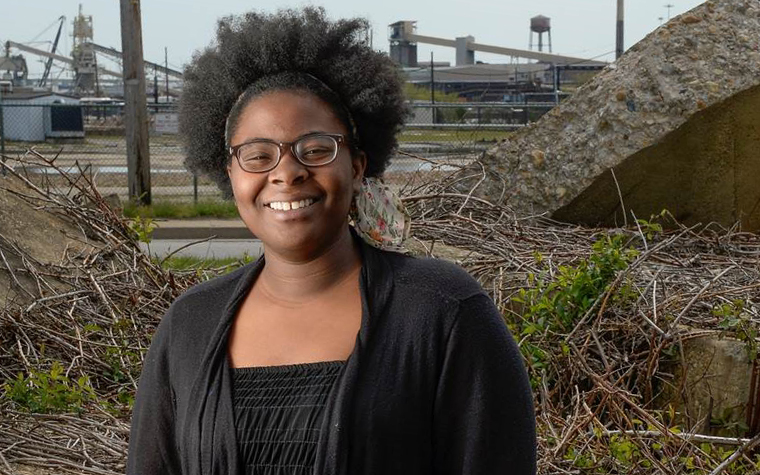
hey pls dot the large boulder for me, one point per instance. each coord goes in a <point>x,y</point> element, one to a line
<point>673,124</point>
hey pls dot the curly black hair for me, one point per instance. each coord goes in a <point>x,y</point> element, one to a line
<point>289,50</point>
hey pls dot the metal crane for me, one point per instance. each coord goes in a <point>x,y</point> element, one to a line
<point>49,63</point>
<point>57,57</point>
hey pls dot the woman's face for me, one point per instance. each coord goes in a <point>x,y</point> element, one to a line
<point>284,116</point>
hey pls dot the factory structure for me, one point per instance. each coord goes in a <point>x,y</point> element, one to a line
<point>50,106</point>
<point>92,73</point>
<point>539,78</point>
<point>86,90</point>
<point>87,78</point>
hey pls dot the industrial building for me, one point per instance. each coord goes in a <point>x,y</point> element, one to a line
<point>515,81</point>
<point>36,117</point>
<point>488,82</point>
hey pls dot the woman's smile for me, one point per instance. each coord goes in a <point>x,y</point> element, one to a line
<point>290,205</point>
<point>293,210</point>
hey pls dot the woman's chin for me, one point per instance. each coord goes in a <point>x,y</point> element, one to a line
<point>301,246</point>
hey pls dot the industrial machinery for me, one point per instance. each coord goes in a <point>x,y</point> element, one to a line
<point>49,63</point>
<point>13,68</point>
<point>83,61</point>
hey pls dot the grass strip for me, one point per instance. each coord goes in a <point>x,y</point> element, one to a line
<point>180,210</point>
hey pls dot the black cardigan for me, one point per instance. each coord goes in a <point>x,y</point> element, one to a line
<point>435,383</point>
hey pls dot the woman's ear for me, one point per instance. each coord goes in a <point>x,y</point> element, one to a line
<point>359,164</point>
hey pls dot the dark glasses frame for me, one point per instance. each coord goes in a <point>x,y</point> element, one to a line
<point>339,140</point>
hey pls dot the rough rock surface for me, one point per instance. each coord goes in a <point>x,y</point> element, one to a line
<point>711,392</point>
<point>676,118</point>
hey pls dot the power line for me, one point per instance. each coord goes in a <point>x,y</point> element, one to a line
<point>43,32</point>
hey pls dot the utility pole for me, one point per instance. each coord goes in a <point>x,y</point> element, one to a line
<point>432,87</point>
<point>166,71</point>
<point>668,6</point>
<point>155,85</point>
<point>135,104</point>
<point>619,48</point>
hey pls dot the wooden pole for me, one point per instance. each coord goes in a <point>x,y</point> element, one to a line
<point>135,104</point>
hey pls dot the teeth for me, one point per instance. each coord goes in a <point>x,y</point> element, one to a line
<point>289,205</point>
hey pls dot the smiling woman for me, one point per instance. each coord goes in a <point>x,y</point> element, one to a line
<point>330,354</point>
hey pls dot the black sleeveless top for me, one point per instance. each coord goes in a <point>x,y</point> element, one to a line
<point>278,414</point>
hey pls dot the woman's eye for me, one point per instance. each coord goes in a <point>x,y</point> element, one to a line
<point>255,158</point>
<point>257,153</point>
<point>315,152</point>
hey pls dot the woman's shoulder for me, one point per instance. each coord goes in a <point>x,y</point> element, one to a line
<point>434,275</point>
<point>208,299</point>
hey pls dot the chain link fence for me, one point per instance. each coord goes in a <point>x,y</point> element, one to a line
<point>91,137</point>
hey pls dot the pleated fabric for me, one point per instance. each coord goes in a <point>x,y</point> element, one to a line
<point>278,414</point>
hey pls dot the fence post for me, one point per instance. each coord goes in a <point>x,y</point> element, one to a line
<point>195,187</point>
<point>2,131</point>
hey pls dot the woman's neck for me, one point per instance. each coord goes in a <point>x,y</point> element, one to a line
<point>289,282</point>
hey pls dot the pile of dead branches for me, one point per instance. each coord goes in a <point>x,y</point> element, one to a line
<point>73,338</point>
<point>598,314</point>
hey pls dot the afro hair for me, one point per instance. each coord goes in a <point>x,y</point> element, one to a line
<point>264,52</point>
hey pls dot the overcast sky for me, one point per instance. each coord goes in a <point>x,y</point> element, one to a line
<point>581,28</point>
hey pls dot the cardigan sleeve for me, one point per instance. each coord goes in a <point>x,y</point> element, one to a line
<point>484,422</point>
<point>152,446</point>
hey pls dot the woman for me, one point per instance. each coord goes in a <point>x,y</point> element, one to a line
<point>328,355</point>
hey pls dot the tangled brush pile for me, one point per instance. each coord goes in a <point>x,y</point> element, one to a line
<point>601,316</point>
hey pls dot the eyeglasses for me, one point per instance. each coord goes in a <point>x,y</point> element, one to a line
<point>263,155</point>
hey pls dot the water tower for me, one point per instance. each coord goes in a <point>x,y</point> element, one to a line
<point>540,25</point>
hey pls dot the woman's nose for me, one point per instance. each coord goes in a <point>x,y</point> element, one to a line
<point>289,170</point>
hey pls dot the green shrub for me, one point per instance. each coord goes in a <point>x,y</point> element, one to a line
<point>49,392</point>
<point>556,303</point>
<point>736,320</point>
